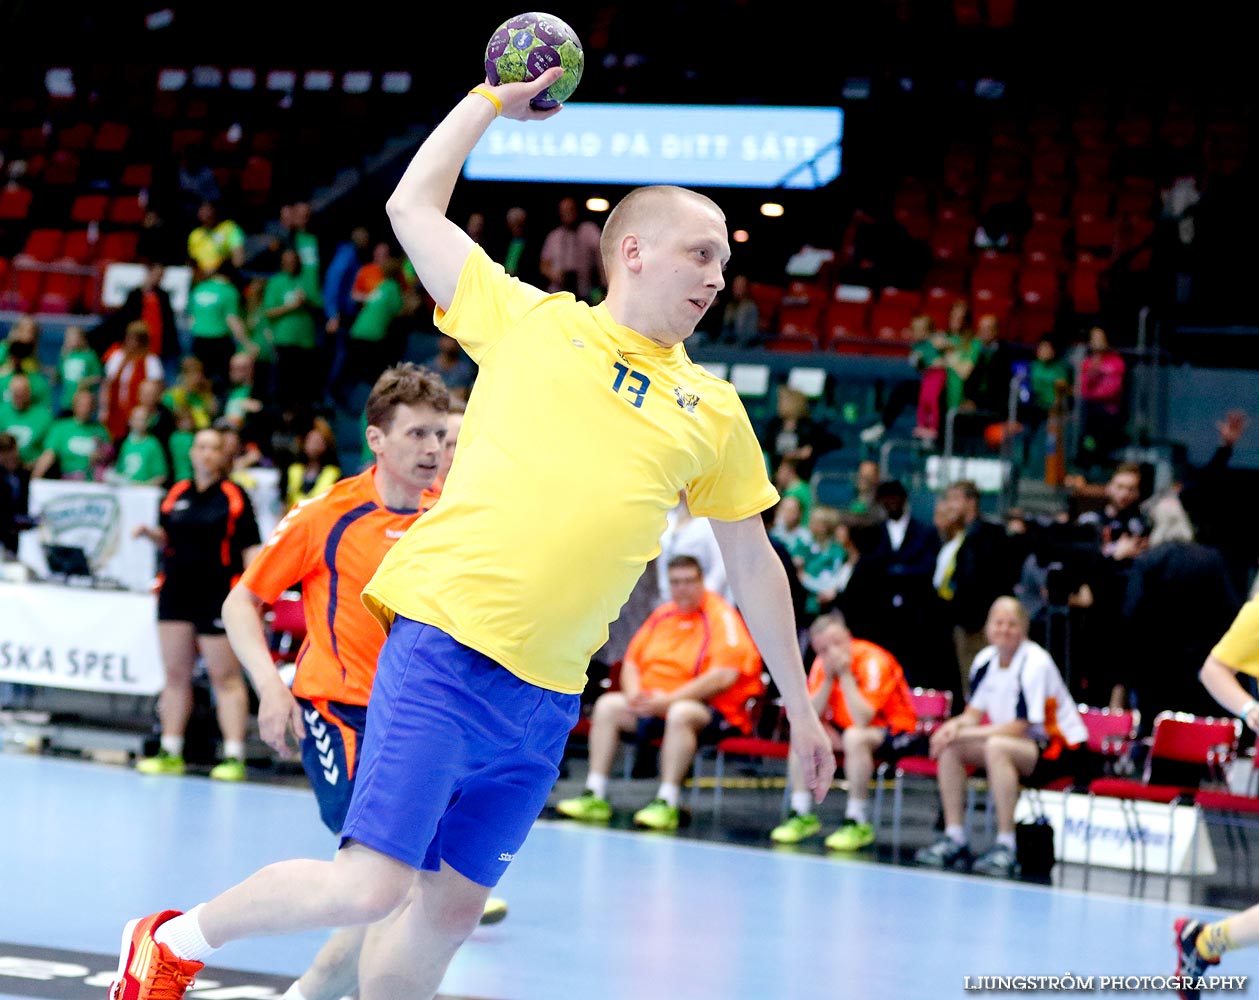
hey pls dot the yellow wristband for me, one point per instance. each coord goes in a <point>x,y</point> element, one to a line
<point>490,96</point>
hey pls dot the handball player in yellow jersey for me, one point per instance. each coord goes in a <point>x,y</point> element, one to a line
<point>493,608</point>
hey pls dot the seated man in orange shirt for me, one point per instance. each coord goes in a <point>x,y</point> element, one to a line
<point>687,678</point>
<point>859,690</point>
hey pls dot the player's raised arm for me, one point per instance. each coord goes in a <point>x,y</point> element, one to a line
<point>417,208</point>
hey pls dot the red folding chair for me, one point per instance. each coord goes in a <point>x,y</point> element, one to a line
<point>776,748</point>
<point>1178,738</point>
<point>932,708</point>
<point>1231,810</point>
<point>287,620</point>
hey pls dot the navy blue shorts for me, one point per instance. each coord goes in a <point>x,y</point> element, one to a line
<point>459,756</point>
<point>334,734</point>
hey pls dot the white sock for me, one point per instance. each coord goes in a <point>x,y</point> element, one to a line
<point>670,793</point>
<point>294,992</point>
<point>233,749</point>
<point>1006,840</point>
<point>173,745</point>
<point>182,935</point>
<point>597,783</point>
<point>802,803</point>
<point>957,834</point>
<point>859,812</point>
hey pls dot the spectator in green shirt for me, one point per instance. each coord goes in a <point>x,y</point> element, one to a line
<point>214,317</point>
<point>79,367</point>
<point>242,399</point>
<point>287,307</point>
<point>180,445</point>
<point>74,443</point>
<point>28,421</point>
<point>19,355</point>
<point>307,246</point>
<point>141,458</point>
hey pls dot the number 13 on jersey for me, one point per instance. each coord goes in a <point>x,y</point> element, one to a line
<point>637,386</point>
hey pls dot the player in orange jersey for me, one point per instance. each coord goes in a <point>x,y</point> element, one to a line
<point>331,545</point>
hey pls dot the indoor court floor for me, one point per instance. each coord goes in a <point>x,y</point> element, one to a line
<point>594,912</point>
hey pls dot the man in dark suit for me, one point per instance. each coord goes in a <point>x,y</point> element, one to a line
<point>15,483</point>
<point>903,616</point>
<point>982,570</point>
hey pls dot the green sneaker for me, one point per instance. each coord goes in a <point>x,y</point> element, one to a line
<point>798,827</point>
<point>657,815</point>
<point>161,763</point>
<point>587,807</point>
<point>231,769</point>
<point>852,836</point>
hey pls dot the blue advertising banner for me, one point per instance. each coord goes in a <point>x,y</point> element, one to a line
<point>692,144</point>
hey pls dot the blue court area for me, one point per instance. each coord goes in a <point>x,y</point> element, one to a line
<point>594,913</point>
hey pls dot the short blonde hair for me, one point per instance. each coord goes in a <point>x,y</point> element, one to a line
<point>642,211</point>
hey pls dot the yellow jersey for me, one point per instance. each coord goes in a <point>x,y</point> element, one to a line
<point>1239,648</point>
<point>577,438</point>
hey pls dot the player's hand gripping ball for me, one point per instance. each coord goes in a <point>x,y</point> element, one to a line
<point>525,47</point>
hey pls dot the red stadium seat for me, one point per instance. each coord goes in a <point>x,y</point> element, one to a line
<point>848,315</point>
<point>89,208</point>
<point>1082,284</point>
<point>950,243</point>
<point>44,245</point>
<point>119,246</point>
<point>181,140</point>
<point>800,316</point>
<point>62,169</point>
<point>77,248</point>
<point>1038,287</point>
<point>15,203</point>
<point>62,293</point>
<point>939,303</point>
<point>255,179</point>
<point>1091,201</point>
<point>112,137</point>
<point>888,320</point>
<point>767,298</point>
<point>137,175</point>
<point>986,303</point>
<point>77,137</point>
<point>1095,233</point>
<point>126,210</point>
<point>24,289</point>
<point>1047,234</point>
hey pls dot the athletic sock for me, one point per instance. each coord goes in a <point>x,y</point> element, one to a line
<point>294,992</point>
<point>598,784</point>
<point>182,935</point>
<point>957,834</point>
<point>857,811</point>
<point>173,745</point>
<point>1007,840</point>
<point>233,749</point>
<point>1214,939</point>
<point>670,793</point>
<point>802,803</point>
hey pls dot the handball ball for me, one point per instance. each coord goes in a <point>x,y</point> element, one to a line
<point>525,47</point>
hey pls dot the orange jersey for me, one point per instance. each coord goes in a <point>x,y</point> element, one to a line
<point>881,682</point>
<point>331,544</point>
<point>674,647</point>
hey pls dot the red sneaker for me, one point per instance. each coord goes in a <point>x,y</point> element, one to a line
<point>148,970</point>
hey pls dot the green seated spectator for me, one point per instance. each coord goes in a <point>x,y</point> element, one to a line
<point>75,443</point>
<point>28,421</point>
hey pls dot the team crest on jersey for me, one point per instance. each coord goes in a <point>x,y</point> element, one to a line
<point>687,400</point>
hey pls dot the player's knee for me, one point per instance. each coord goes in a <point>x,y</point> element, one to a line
<point>370,899</point>
<point>455,914</point>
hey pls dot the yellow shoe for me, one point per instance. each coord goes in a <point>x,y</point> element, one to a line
<point>230,769</point>
<point>495,911</point>
<point>161,763</point>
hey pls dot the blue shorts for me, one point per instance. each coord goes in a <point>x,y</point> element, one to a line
<point>459,757</point>
<point>334,735</point>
